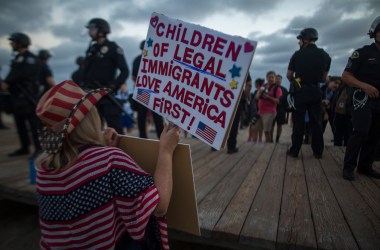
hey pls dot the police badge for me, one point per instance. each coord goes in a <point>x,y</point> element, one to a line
<point>104,49</point>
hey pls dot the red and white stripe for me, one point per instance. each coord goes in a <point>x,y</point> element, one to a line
<point>102,227</point>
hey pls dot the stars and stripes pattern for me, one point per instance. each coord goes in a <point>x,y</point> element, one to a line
<point>206,132</point>
<point>93,203</point>
<point>143,95</point>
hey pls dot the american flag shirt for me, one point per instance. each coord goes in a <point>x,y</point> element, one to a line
<point>93,203</point>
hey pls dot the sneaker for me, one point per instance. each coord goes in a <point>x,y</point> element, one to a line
<point>291,154</point>
<point>232,151</point>
<point>348,175</point>
<point>318,156</point>
<point>19,152</point>
<point>370,172</point>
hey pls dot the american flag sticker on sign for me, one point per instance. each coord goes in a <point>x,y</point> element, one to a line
<point>143,96</point>
<point>206,132</point>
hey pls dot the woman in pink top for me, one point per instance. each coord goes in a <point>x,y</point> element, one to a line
<point>268,95</point>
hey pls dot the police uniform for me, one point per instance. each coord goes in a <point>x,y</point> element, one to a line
<point>24,88</point>
<point>309,64</point>
<point>232,138</point>
<point>364,64</point>
<point>142,110</point>
<point>101,64</point>
<point>45,73</point>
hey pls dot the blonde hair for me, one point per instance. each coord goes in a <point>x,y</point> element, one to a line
<point>88,131</point>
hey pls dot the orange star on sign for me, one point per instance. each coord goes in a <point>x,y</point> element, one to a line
<point>145,53</point>
<point>233,84</point>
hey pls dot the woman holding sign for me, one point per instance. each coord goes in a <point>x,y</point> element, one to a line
<point>90,193</point>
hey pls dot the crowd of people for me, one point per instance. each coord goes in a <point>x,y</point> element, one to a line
<point>67,121</point>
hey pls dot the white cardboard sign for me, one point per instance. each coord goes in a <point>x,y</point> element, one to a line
<point>193,76</point>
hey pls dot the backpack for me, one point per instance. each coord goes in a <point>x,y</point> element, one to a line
<point>283,102</point>
<point>283,99</point>
<point>341,102</point>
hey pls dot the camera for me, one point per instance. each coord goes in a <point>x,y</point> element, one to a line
<point>264,91</point>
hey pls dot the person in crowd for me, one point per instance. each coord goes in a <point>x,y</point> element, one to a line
<point>46,74</point>
<point>78,75</point>
<point>280,119</point>
<point>232,137</point>
<point>103,59</point>
<point>22,84</point>
<point>90,193</point>
<point>142,111</point>
<point>123,96</point>
<point>308,67</point>
<point>4,103</point>
<point>269,96</point>
<point>341,109</point>
<point>362,72</point>
<point>328,90</point>
<point>255,132</point>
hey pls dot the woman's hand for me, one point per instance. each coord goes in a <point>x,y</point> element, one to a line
<point>169,139</point>
<point>111,137</point>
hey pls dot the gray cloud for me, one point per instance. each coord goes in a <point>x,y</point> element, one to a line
<point>339,23</point>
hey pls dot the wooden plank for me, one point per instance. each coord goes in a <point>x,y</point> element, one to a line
<point>332,231</point>
<point>365,186</point>
<point>363,222</point>
<point>233,218</point>
<point>216,170</point>
<point>260,227</point>
<point>210,160</point>
<point>13,168</point>
<point>213,205</point>
<point>203,150</point>
<point>296,229</point>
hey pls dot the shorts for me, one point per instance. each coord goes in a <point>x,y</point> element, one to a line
<point>265,122</point>
<point>280,118</point>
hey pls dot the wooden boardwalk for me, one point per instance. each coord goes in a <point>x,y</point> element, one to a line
<point>257,198</point>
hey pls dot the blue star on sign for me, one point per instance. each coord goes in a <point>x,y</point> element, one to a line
<point>235,71</point>
<point>150,42</point>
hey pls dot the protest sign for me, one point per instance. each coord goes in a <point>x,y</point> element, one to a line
<point>193,76</point>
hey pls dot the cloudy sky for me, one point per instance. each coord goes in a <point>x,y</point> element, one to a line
<point>58,25</point>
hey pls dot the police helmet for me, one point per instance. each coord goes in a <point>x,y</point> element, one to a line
<point>79,60</point>
<point>21,39</point>
<point>308,34</point>
<point>375,26</point>
<point>44,54</point>
<point>101,24</point>
<point>142,43</point>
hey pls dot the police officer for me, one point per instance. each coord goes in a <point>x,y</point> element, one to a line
<point>308,67</point>
<point>22,83</point>
<point>245,97</point>
<point>142,111</point>
<point>103,59</point>
<point>46,75</point>
<point>78,75</point>
<point>363,73</point>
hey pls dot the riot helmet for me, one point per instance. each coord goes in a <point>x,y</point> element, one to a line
<point>22,40</point>
<point>308,34</point>
<point>142,43</point>
<point>375,27</point>
<point>100,24</point>
<point>44,54</point>
<point>79,60</point>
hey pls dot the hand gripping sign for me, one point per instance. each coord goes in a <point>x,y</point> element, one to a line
<point>193,76</point>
